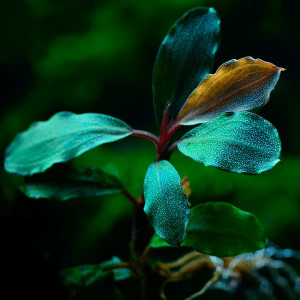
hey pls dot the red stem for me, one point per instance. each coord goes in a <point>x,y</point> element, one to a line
<point>172,147</point>
<point>165,138</point>
<point>146,135</point>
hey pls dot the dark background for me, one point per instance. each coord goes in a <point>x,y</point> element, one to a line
<point>97,56</point>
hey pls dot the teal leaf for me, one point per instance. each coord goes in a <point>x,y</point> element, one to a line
<point>87,275</point>
<point>166,205</point>
<point>237,142</point>
<point>63,137</point>
<point>184,58</point>
<point>220,229</point>
<point>63,182</point>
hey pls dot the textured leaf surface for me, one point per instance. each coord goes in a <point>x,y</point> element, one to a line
<point>237,142</point>
<point>221,229</point>
<point>166,205</point>
<point>185,57</point>
<point>238,85</point>
<point>88,275</point>
<point>63,137</point>
<point>64,182</point>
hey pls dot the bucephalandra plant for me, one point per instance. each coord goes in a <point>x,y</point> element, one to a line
<point>227,136</point>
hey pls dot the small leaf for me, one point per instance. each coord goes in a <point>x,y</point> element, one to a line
<point>166,205</point>
<point>238,85</point>
<point>237,142</point>
<point>158,242</point>
<point>185,57</point>
<point>62,138</point>
<point>63,182</point>
<point>221,229</point>
<point>88,275</point>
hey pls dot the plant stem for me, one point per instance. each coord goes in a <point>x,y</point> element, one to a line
<point>130,198</point>
<point>163,152</point>
<point>147,135</point>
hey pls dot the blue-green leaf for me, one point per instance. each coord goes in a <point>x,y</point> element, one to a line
<point>237,142</point>
<point>63,137</point>
<point>63,182</point>
<point>166,205</point>
<point>185,57</point>
<point>221,229</point>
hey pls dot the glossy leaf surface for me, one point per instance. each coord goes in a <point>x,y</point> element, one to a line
<point>238,85</point>
<point>63,137</point>
<point>221,229</point>
<point>237,142</point>
<point>64,182</point>
<point>166,205</point>
<point>185,57</point>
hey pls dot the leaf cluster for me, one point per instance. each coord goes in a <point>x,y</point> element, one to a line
<point>226,136</point>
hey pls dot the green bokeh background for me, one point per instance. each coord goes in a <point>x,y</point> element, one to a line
<point>97,56</point>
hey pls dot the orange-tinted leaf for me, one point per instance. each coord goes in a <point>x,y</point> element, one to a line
<point>238,85</point>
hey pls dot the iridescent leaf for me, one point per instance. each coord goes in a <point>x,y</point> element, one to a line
<point>238,85</point>
<point>63,182</point>
<point>62,138</point>
<point>220,229</point>
<point>185,57</point>
<point>237,142</point>
<point>166,205</point>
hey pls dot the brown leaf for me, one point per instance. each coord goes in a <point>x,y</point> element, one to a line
<point>238,85</point>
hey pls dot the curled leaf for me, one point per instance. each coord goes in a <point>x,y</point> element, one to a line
<point>61,138</point>
<point>238,85</point>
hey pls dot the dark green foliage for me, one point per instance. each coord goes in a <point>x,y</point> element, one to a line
<point>63,182</point>
<point>166,204</point>
<point>185,57</point>
<point>220,229</point>
<point>88,275</point>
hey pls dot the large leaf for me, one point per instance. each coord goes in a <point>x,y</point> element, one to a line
<point>63,182</point>
<point>238,85</point>
<point>237,142</point>
<point>166,205</point>
<point>62,138</point>
<point>185,57</point>
<point>221,229</point>
<point>88,275</point>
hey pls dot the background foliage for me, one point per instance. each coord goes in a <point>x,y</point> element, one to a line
<point>97,56</point>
